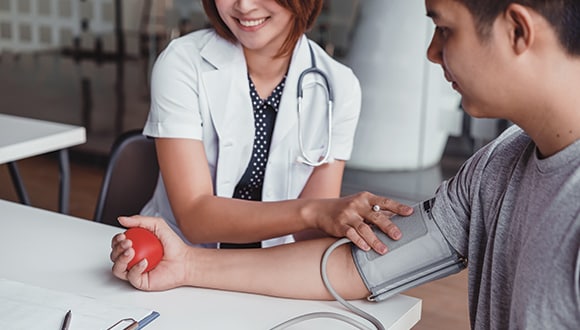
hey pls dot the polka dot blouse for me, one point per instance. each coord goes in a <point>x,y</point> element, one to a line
<point>251,183</point>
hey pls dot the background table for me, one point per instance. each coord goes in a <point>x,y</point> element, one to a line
<point>69,254</point>
<point>26,137</point>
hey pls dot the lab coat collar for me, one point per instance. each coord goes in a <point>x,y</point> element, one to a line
<point>221,53</point>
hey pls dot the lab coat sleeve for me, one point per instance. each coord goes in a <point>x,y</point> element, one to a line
<point>347,106</point>
<point>175,111</point>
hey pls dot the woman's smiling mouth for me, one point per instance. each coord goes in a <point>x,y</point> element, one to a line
<point>251,23</point>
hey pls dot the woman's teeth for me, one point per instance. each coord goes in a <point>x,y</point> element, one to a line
<point>252,22</point>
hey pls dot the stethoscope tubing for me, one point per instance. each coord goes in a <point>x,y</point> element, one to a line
<point>313,70</point>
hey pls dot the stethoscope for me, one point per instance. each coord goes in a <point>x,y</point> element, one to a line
<point>304,158</point>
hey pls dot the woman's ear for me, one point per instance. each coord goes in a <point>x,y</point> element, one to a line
<point>520,27</point>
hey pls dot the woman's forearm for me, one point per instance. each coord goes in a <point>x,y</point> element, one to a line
<point>205,218</point>
<point>291,270</point>
<point>217,219</point>
<point>212,219</point>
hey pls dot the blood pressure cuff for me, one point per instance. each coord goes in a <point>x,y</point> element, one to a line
<point>421,255</point>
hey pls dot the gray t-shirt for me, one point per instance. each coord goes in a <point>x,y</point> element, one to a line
<point>517,219</point>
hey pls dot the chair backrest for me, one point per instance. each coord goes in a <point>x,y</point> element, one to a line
<point>130,177</point>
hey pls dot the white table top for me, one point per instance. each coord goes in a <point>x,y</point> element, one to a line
<point>26,137</point>
<point>64,253</point>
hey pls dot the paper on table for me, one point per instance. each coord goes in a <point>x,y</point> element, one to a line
<point>23,306</point>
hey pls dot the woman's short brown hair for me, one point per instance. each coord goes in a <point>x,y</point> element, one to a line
<point>304,13</point>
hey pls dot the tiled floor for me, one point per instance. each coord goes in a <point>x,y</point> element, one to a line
<point>51,88</point>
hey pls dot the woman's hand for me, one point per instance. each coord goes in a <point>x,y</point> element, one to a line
<point>351,217</point>
<point>171,270</point>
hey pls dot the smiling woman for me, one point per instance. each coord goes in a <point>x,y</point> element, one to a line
<point>224,118</point>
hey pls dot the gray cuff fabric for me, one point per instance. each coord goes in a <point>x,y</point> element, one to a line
<point>423,254</point>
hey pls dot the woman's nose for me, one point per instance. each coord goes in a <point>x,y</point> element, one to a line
<point>245,6</point>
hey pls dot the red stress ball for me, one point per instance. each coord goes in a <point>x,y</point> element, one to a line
<point>146,246</point>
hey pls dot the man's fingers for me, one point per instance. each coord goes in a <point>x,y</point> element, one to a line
<point>120,263</point>
<point>119,247</point>
<point>136,274</point>
<point>117,239</point>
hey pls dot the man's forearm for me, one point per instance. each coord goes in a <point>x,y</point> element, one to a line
<point>291,270</point>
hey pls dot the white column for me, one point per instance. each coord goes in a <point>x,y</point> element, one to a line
<point>408,108</point>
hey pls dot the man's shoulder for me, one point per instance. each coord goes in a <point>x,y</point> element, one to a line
<point>507,148</point>
<point>512,137</point>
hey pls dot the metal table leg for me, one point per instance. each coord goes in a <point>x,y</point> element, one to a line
<point>17,181</point>
<point>64,182</point>
<point>64,170</point>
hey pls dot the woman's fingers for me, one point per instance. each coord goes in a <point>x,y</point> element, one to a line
<point>381,210</point>
<point>366,232</point>
<point>389,228</point>
<point>364,238</point>
<point>387,204</point>
<point>357,239</point>
<point>372,210</point>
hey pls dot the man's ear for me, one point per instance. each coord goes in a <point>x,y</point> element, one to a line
<point>520,27</point>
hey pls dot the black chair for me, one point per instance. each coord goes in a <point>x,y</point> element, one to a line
<point>130,178</point>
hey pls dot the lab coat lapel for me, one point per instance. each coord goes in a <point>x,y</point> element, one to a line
<point>286,119</point>
<point>227,87</point>
<point>230,106</point>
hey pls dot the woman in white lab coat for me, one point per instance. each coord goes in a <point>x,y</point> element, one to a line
<point>228,176</point>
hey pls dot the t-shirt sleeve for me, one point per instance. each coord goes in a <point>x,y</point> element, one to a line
<point>465,204</point>
<point>453,205</point>
<point>174,108</point>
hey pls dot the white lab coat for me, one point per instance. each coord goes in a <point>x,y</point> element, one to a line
<point>200,90</point>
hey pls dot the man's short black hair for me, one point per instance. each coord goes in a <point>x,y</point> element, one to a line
<point>563,15</point>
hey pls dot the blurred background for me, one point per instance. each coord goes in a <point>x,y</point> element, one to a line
<point>87,63</point>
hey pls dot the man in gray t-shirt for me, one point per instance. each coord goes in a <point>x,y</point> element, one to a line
<point>516,217</point>
<point>513,210</point>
